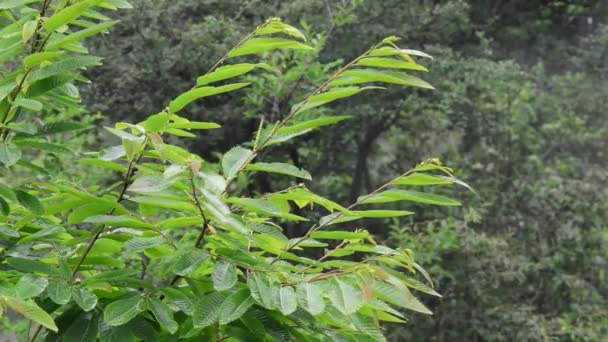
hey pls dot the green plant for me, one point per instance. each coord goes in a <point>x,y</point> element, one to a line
<point>178,247</point>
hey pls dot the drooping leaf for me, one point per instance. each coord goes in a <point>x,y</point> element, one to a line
<point>31,310</point>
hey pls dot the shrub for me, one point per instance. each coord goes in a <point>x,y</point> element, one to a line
<point>147,241</point>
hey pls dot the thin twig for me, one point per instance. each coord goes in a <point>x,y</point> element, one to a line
<point>126,182</point>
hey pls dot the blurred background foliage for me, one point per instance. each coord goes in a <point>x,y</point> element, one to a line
<point>519,111</point>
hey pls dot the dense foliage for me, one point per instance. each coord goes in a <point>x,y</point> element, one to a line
<point>519,110</point>
<point>145,240</point>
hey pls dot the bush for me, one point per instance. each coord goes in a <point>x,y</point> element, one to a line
<point>147,241</point>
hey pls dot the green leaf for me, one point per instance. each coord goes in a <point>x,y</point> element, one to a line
<point>29,309</point>
<point>347,298</point>
<point>85,299</point>
<point>275,25</point>
<point>261,289</point>
<point>28,29</point>
<point>403,53</point>
<point>59,292</point>
<point>207,310</point>
<point>163,203</point>
<point>68,14</point>
<point>151,183</point>
<point>188,261</point>
<point>60,127</point>
<point>29,202</point>
<point>9,154</point>
<point>39,57</point>
<point>5,210</point>
<point>163,314</point>
<point>285,133</point>
<point>225,72</point>
<point>88,210</point>
<point>64,65</point>
<point>422,179</point>
<point>180,222</point>
<point>27,265</point>
<point>30,286</point>
<point>8,4</point>
<point>186,98</point>
<point>43,146</point>
<point>358,76</point>
<point>282,168</point>
<point>194,125</point>
<point>390,63</point>
<point>411,196</point>
<point>83,329</point>
<point>399,294</point>
<point>47,84</point>
<point>8,231</point>
<point>339,235</point>
<point>263,207</point>
<point>7,192</point>
<point>122,311</point>
<point>30,104</point>
<point>104,164</point>
<point>80,35</point>
<point>118,221</point>
<point>286,300</point>
<point>259,45</point>
<point>356,215</point>
<point>224,276</point>
<point>310,298</point>
<point>141,243</point>
<point>235,306</point>
<point>234,160</point>
<point>330,96</point>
